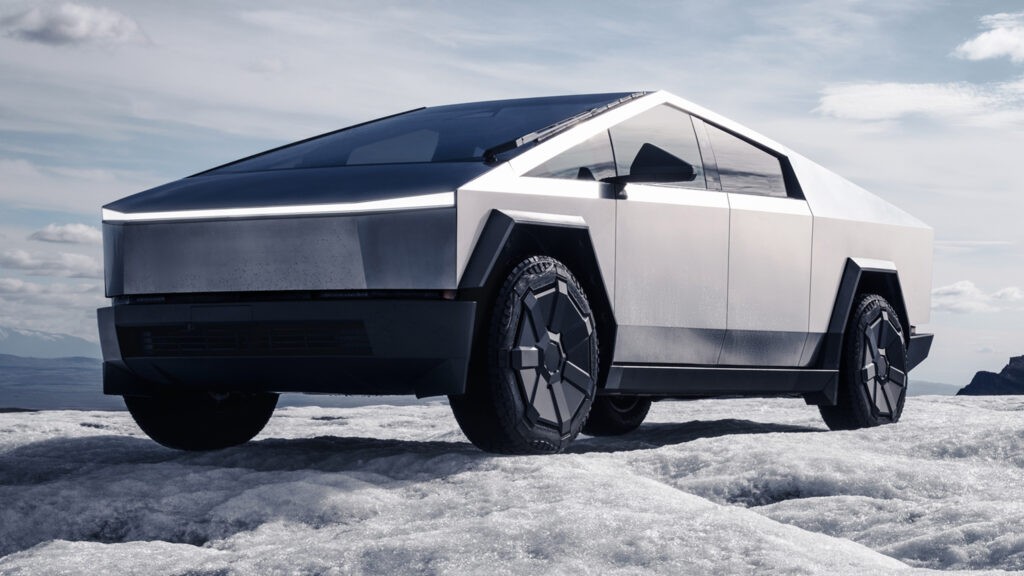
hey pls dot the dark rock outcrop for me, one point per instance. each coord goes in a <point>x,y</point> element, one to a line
<point>1010,380</point>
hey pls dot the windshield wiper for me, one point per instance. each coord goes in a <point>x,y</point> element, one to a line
<point>491,154</point>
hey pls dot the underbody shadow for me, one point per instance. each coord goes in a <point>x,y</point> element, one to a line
<point>657,435</point>
<point>54,458</point>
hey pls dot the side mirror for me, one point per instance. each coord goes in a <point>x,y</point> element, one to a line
<point>652,164</point>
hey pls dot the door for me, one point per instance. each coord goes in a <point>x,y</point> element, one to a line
<point>770,230</point>
<point>672,248</point>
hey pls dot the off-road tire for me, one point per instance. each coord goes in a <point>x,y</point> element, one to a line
<point>537,376</point>
<point>615,415</point>
<point>873,368</point>
<point>202,420</point>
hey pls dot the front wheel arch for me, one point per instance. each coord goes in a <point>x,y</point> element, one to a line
<point>508,238</point>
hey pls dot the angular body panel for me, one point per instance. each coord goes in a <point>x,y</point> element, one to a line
<point>391,251</point>
<point>672,278</point>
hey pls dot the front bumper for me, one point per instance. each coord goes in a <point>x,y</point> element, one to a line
<point>350,346</point>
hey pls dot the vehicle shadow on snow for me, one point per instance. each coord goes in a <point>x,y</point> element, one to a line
<point>54,458</point>
<point>657,435</point>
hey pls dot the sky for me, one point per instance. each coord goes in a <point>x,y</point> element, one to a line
<point>919,101</point>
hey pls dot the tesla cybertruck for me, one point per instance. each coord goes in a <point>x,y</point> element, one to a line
<point>552,265</point>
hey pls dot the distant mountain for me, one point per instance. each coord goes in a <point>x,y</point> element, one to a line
<point>53,384</point>
<point>1009,380</point>
<point>926,388</point>
<point>77,384</point>
<point>35,344</point>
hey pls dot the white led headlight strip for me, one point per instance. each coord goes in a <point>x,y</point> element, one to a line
<point>441,200</point>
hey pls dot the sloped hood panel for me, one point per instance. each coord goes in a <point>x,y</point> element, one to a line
<point>306,186</point>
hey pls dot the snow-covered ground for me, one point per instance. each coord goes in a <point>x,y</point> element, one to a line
<point>705,487</point>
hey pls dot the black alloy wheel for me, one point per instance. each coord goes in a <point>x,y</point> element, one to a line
<point>541,364</point>
<point>873,370</point>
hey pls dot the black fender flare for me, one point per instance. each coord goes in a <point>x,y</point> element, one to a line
<point>861,276</point>
<point>510,236</point>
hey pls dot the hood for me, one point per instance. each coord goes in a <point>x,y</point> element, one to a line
<point>301,187</point>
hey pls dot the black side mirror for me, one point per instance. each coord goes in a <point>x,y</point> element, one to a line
<point>652,164</point>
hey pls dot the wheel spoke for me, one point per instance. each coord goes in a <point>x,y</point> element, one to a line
<point>573,329</point>
<point>888,333</point>
<point>872,333</point>
<point>559,300</point>
<point>524,357</point>
<point>543,402</point>
<point>527,335</point>
<point>897,376</point>
<point>532,386</point>
<point>893,392</point>
<point>868,372</point>
<point>878,396</point>
<point>564,413</point>
<point>537,321</point>
<point>576,376</point>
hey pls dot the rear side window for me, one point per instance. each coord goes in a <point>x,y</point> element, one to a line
<point>745,168</point>
<point>591,160</point>
<point>660,133</point>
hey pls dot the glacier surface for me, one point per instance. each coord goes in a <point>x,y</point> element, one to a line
<point>744,486</point>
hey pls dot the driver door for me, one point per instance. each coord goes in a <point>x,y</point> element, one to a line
<point>672,247</point>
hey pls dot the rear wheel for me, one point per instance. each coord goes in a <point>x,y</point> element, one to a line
<point>614,415</point>
<point>873,369</point>
<point>202,420</point>
<point>536,380</point>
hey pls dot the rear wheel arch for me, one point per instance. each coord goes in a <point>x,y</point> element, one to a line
<point>509,237</point>
<point>861,277</point>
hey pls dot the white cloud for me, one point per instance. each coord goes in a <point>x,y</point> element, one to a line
<point>971,246</point>
<point>16,289</point>
<point>68,234</point>
<point>70,23</point>
<point>983,104</point>
<point>1004,38</point>
<point>58,307</point>
<point>25,184</point>
<point>62,264</point>
<point>993,104</point>
<point>964,297</point>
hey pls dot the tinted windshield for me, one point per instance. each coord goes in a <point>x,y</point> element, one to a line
<point>460,132</point>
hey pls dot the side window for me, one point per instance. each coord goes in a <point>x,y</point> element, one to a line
<point>745,168</point>
<point>591,160</point>
<point>661,140</point>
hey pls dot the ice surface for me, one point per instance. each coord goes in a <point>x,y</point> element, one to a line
<point>706,487</point>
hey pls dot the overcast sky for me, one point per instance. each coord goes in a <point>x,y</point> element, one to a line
<point>921,102</point>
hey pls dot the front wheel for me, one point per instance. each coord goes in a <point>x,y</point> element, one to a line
<point>873,369</point>
<point>538,374</point>
<point>202,420</point>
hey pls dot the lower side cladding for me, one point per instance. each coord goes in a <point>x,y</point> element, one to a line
<point>816,386</point>
<point>356,346</point>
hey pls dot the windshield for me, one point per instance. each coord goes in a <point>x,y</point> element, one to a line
<point>455,133</point>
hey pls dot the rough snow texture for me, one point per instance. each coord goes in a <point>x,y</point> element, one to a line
<point>706,487</point>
